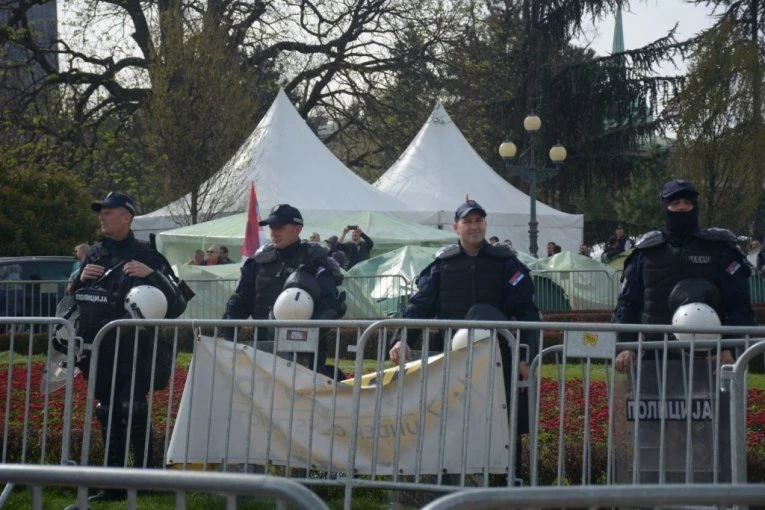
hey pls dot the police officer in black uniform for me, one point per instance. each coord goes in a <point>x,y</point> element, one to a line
<point>681,253</point>
<point>276,265</point>
<point>470,273</point>
<point>113,266</point>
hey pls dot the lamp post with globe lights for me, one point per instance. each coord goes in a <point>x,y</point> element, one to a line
<point>529,172</point>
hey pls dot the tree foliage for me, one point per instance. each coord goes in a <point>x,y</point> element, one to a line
<point>718,132</point>
<point>321,53</point>
<point>43,211</point>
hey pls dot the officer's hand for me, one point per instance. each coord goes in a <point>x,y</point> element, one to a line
<point>137,269</point>
<point>91,272</point>
<point>395,353</point>
<point>624,361</point>
<point>726,358</point>
<point>523,371</point>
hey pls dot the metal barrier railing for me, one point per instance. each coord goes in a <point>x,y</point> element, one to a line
<point>30,424</point>
<point>575,290</point>
<point>30,298</point>
<point>437,424</point>
<point>378,296</point>
<point>368,297</point>
<point>230,485</point>
<point>603,497</point>
<point>735,376</point>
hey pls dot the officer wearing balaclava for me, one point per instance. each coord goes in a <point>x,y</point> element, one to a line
<point>682,264</point>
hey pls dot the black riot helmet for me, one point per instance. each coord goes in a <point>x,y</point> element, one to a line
<point>302,279</point>
<point>694,290</point>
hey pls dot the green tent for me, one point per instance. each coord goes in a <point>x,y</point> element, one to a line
<point>387,231</point>
<point>589,284</point>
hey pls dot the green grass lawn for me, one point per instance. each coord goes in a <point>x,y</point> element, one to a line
<point>58,498</point>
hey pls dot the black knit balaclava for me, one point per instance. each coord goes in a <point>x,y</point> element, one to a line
<point>681,225</point>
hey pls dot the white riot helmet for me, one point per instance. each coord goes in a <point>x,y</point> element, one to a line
<point>146,302</point>
<point>293,304</point>
<point>699,315</point>
<point>460,338</point>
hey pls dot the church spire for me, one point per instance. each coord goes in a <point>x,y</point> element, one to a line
<point>618,44</point>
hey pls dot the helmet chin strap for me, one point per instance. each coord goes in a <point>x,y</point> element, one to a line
<point>136,311</point>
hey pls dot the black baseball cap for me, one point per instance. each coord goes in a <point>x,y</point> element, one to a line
<point>282,214</point>
<point>113,200</point>
<point>678,188</point>
<point>468,207</point>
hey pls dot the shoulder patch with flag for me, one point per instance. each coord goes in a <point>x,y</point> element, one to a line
<point>732,267</point>
<point>517,277</point>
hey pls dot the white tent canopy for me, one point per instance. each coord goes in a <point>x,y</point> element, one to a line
<point>288,164</point>
<point>439,168</point>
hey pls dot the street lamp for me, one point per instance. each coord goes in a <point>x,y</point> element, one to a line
<point>530,173</point>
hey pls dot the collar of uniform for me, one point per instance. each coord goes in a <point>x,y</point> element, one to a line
<point>290,250</point>
<point>116,247</point>
<point>481,250</point>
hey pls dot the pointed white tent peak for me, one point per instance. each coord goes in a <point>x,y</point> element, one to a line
<point>439,168</point>
<point>288,164</point>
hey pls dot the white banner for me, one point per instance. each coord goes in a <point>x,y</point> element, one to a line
<point>274,413</point>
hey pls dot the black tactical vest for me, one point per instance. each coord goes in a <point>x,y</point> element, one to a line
<point>468,280</point>
<point>664,266</point>
<point>269,281</point>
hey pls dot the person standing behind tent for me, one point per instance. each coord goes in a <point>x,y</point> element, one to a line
<point>212,257</point>
<point>360,246</point>
<point>224,259</point>
<point>470,273</point>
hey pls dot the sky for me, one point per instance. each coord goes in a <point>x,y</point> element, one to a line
<point>648,20</point>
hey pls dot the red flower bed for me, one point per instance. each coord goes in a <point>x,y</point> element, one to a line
<point>574,405</point>
<point>49,414</point>
<point>33,404</point>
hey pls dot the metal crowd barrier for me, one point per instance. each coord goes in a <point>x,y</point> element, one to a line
<point>30,298</point>
<point>734,377</point>
<point>31,431</point>
<point>181,483</point>
<point>437,424</point>
<point>661,496</point>
<point>369,297</point>
<point>665,420</point>
<point>562,291</point>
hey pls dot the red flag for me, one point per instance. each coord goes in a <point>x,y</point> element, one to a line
<point>253,234</point>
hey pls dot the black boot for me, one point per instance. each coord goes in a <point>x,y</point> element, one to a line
<point>115,457</point>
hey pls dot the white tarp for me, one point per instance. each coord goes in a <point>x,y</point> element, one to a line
<point>440,167</point>
<point>253,409</point>
<point>288,164</point>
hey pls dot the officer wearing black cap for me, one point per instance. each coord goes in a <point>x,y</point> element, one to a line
<point>279,263</point>
<point>473,272</point>
<point>113,266</point>
<point>665,264</point>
